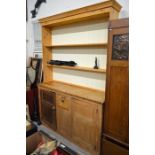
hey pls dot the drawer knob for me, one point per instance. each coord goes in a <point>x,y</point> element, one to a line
<point>62,99</point>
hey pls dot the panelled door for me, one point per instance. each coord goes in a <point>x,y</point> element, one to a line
<point>48,107</point>
<point>86,120</point>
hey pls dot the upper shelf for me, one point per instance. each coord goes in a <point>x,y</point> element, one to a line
<point>88,69</point>
<point>80,45</point>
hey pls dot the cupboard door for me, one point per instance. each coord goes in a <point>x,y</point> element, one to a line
<point>116,115</point>
<point>109,148</point>
<point>64,115</point>
<point>85,125</point>
<point>48,108</point>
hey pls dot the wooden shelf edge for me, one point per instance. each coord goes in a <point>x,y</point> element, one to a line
<point>79,68</point>
<point>79,45</point>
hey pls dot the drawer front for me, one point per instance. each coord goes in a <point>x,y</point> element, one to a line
<point>110,148</point>
<point>63,101</point>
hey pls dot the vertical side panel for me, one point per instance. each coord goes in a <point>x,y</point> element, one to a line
<point>47,54</point>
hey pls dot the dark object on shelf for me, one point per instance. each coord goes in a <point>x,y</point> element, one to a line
<point>37,5</point>
<point>64,149</point>
<point>61,63</point>
<point>96,66</point>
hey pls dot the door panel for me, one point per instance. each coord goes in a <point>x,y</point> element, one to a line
<point>109,148</point>
<point>48,107</point>
<point>85,131</point>
<point>117,114</point>
<point>64,115</point>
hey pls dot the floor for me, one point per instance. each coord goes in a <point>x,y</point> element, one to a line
<point>61,139</point>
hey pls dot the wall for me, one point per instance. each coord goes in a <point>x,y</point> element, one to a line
<point>52,7</point>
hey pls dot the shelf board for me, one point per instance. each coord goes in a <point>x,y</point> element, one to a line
<point>79,45</point>
<point>87,69</point>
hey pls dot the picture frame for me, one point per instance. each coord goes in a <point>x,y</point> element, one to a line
<point>37,54</point>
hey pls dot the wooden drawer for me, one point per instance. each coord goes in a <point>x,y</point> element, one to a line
<point>110,148</point>
<point>63,101</point>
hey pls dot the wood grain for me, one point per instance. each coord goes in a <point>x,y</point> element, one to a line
<point>64,115</point>
<point>109,148</point>
<point>85,93</point>
<point>47,54</point>
<point>85,131</point>
<point>116,114</point>
<point>79,120</point>
<point>104,9</point>
<point>48,107</point>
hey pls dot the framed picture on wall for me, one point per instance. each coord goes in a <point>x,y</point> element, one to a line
<point>37,54</point>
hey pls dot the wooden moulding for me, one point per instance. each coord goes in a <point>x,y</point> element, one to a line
<point>90,94</point>
<point>79,68</point>
<point>104,9</point>
<point>121,24</point>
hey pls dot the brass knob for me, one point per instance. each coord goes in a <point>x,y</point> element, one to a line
<point>63,99</point>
